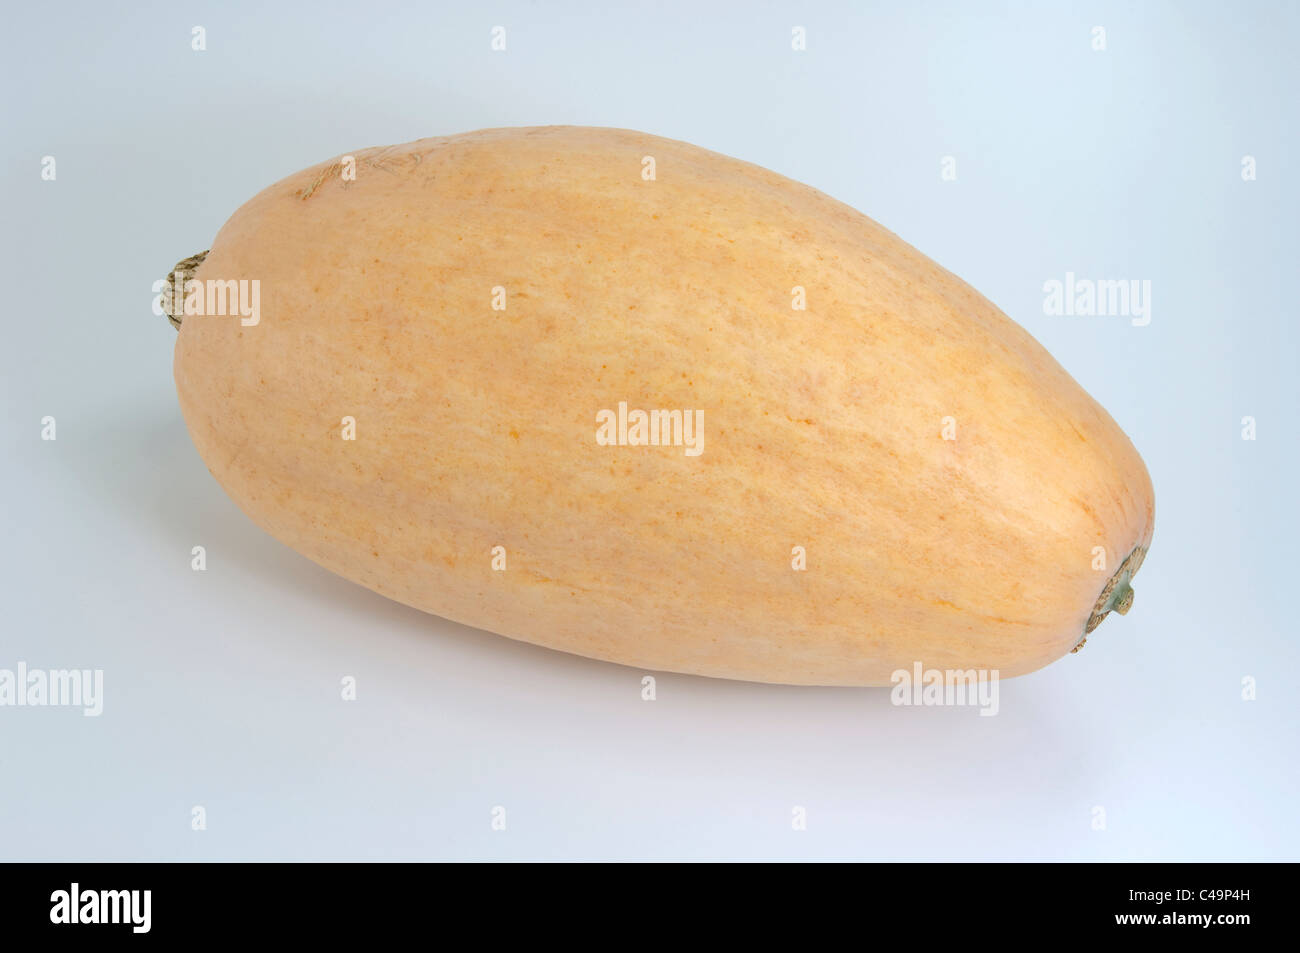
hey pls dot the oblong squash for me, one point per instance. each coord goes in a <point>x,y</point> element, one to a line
<point>894,473</point>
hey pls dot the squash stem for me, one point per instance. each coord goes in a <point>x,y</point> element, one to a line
<point>1123,598</point>
<point>1116,596</point>
<point>173,298</point>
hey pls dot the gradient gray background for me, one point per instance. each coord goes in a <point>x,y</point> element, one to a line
<point>222,688</point>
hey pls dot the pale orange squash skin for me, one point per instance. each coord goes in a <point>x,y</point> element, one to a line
<point>476,428</point>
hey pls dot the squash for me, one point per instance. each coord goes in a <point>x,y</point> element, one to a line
<point>620,396</point>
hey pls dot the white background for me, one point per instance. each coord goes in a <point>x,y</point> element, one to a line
<point>222,688</point>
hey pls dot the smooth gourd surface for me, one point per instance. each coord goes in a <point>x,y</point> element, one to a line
<point>823,428</point>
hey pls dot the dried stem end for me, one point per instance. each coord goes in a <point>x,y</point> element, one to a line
<point>173,299</point>
<point>1117,596</point>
